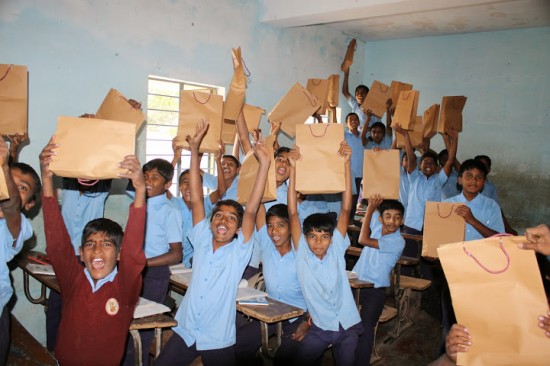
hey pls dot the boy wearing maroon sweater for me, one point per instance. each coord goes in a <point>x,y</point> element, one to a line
<point>99,300</point>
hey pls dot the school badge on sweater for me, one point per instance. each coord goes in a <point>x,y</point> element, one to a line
<point>112,306</point>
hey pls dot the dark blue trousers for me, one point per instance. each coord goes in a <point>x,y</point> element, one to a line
<point>372,304</point>
<point>177,353</point>
<point>4,335</point>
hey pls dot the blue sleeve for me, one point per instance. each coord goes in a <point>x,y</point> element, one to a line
<point>200,234</point>
<point>209,181</point>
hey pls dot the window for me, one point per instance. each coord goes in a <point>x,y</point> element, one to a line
<point>163,102</point>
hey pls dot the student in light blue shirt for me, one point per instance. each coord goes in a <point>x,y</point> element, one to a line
<point>281,281</point>
<point>23,185</point>
<point>449,189</point>
<point>380,137</point>
<point>482,214</point>
<point>206,316</point>
<point>383,247</point>
<point>361,92</point>
<point>322,274</point>
<point>353,138</point>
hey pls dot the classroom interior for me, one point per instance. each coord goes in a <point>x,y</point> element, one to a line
<point>497,53</point>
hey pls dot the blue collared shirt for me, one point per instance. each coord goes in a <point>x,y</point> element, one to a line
<point>374,265</point>
<point>485,210</point>
<point>449,188</point>
<point>421,190</point>
<point>489,190</point>
<point>96,286</point>
<point>314,203</point>
<point>231,192</point>
<point>404,188</point>
<point>187,225</point>
<point>356,108</point>
<point>357,155</point>
<point>325,284</point>
<point>164,226</point>
<point>206,315</point>
<point>8,250</point>
<point>281,279</point>
<point>385,144</point>
<point>282,196</point>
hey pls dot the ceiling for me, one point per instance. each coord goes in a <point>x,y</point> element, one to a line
<point>395,19</point>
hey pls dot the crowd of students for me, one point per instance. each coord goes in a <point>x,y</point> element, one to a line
<point>299,240</point>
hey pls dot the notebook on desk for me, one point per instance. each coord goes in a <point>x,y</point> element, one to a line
<point>247,293</point>
<point>147,307</point>
<point>179,268</point>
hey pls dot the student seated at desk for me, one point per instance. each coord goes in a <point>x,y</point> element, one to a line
<point>383,247</point>
<point>321,269</point>
<point>98,300</point>
<point>223,246</point>
<point>281,281</point>
<point>22,184</point>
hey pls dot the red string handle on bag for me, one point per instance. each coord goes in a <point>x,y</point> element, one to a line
<point>444,217</point>
<point>198,101</point>
<point>323,134</point>
<point>311,101</point>
<point>87,182</point>
<point>318,81</point>
<point>382,88</point>
<point>245,68</point>
<point>471,255</point>
<point>406,94</point>
<point>6,73</point>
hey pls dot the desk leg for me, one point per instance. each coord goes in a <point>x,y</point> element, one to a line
<point>265,338</point>
<point>42,299</point>
<point>137,347</point>
<point>158,341</point>
<point>357,294</point>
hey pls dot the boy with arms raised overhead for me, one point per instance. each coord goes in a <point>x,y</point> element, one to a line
<point>321,269</point>
<point>361,91</point>
<point>98,300</point>
<point>383,247</point>
<point>22,184</point>
<point>206,316</point>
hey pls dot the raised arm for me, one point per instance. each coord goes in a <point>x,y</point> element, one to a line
<point>343,218</point>
<point>242,132</point>
<point>389,111</point>
<point>249,217</point>
<point>408,148</point>
<point>451,144</point>
<point>46,156</point>
<point>274,131</point>
<point>16,143</point>
<point>345,85</point>
<point>195,185</point>
<point>221,188</point>
<point>11,208</point>
<point>365,235</point>
<point>260,217</point>
<point>364,139</point>
<point>135,174</point>
<point>176,148</point>
<point>292,201</point>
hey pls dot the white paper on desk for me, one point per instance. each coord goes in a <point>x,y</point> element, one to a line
<point>352,275</point>
<point>43,269</point>
<point>179,268</point>
<point>183,278</point>
<point>244,293</point>
<point>147,307</point>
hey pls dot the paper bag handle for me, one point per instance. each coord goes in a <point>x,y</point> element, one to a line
<point>6,73</point>
<point>198,101</point>
<point>316,83</point>
<point>446,216</point>
<point>311,101</point>
<point>323,134</point>
<point>471,255</point>
<point>406,94</point>
<point>87,183</point>
<point>382,88</point>
<point>246,71</point>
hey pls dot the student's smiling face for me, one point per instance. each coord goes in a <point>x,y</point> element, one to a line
<point>26,186</point>
<point>281,167</point>
<point>377,134</point>
<point>352,122</point>
<point>391,220</point>
<point>155,184</point>
<point>100,255</point>
<point>472,182</point>
<point>185,190</point>
<point>318,242</point>
<point>224,224</point>
<point>229,169</point>
<point>278,230</point>
<point>428,166</point>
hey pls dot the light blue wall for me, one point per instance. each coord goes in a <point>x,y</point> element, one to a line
<point>506,77</point>
<point>76,50</point>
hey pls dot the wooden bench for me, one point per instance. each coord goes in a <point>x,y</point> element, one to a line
<point>25,350</point>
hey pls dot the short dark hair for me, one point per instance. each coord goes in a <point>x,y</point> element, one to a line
<point>429,154</point>
<point>278,210</point>
<point>282,149</point>
<point>471,164</point>
<point>231,157</point>
<point>379,125</point>
<point>351,114</point>
<point>442,153</point>
<point>102,225</point>
<point>163,167</point>
<point>29,170</point>
<point>180,178</point>
<point>391,205</point>
<point>362,87</point>
<point>484,157</point>
<point>238,207</point>
<point>319,222</point>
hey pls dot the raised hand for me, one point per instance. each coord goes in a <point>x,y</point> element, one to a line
<point>275,127</point>
<point>195,141</point>
<point>294,155</point>
<point>134,172</point>
<point>46,156</point>
<point>458,340</point>
<point>344,151</point>
<point>260,150</point>
<point>374,201</point>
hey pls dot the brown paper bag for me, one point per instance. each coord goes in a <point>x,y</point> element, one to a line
<point>442,225</point>
<point>294,108</point>
<point>381,173</point>
<point>376,98</point>
<point>405,112</point>
<point>431,118</point>
<point>252,116</point>
<point>415,135</point>
<point>249,172</point>
<point>348,59</point>
<point>498,295</point>
<point>333,90</point>
<point>451,113</point>
<point>13,99</point>
<point>194,107</point>
<point>91,148</point>
<point>4,193</point>
<point>115,107</point>
<point>320,170</point>
<point>396,88</point>
<point>319,89</point>
<point>237,89</point>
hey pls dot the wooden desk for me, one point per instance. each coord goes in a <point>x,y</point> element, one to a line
<point>156,322</point>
